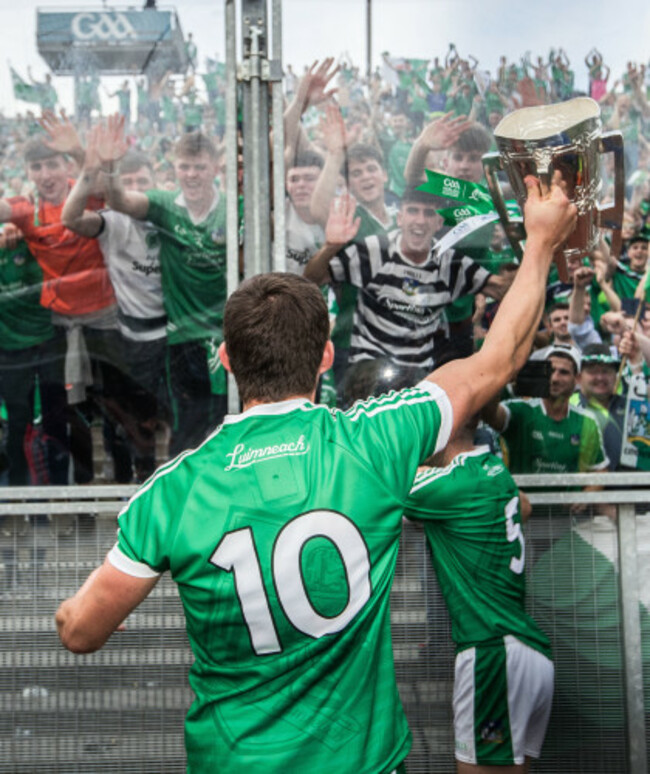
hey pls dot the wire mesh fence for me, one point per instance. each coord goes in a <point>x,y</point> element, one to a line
<point>122,709</point>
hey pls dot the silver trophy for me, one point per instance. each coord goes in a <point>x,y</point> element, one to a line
<point>566,137</point>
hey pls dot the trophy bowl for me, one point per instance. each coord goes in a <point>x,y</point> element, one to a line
<point>565,137</point>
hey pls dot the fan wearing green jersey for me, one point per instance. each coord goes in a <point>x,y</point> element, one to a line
<point>191,225</point>
<point>284,572</point>
<point>549,435</point>
<point>472,513</point>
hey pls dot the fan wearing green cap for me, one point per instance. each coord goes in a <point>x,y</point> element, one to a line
<point>597,392</point>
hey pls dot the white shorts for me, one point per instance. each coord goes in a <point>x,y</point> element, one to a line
<point>502,702</point>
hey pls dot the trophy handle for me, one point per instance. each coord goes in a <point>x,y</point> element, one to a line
<point>492,164</point>
<point>612,217</point>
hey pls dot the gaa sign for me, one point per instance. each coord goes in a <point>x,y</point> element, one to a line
<point>102,26</point>
<point>111,41</point>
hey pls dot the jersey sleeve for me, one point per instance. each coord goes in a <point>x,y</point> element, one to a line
<point>147,530</point>
<point>471,277</point>
<point>398,431</point>
<point>158,206</point>
<point>348,266</point>
<point>592,450</point>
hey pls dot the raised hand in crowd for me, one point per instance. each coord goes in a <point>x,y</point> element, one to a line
<point>313,87</point>
<point>437,135</point>
<point>312,90</point>
<point>336,136</point>
<point>629,347</point>
<point>62,135</point>
<point>109,142</point>
<point>342,227</point>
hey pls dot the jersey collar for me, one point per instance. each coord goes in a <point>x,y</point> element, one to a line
<point>267,409</point>
<point>180,201</point>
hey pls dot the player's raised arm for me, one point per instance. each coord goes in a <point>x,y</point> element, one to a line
<point>111,146</point>
<point>550,218</point>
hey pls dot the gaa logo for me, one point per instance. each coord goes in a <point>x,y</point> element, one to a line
<point>102,26</point>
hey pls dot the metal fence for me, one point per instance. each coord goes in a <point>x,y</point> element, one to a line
<point>122,709</point>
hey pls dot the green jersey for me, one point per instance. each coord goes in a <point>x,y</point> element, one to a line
<point>23,321</point>
<point>625,280</point>
<point>282,532</point>
<point>192,264</point>
<point>470,512</point>
<point>539,444</point>
<point>396,164</point>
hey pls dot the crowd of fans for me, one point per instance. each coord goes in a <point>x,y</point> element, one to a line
<point>112,272</point>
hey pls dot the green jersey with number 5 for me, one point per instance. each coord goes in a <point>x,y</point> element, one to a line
<point>282,532</point>
<point>470,512</point>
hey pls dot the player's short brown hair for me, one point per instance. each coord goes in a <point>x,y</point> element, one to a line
<point>275,329</point>
<point>194,144</point>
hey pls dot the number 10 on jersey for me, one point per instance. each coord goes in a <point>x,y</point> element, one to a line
<point>238,554</point>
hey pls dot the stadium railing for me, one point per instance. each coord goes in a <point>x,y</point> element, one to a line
<point>122,709</point>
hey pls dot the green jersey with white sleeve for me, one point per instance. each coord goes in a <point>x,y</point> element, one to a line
<point>193,265</point>
<point>282,532</point>
<point>471,517</point>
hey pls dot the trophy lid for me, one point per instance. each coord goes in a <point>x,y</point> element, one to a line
<point>542,121</point>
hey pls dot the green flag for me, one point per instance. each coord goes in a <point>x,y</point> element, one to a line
<point>23,90</point>
<point>461,190</point>
<point>454,215</point>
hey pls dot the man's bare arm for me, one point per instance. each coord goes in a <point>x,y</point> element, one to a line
<point>471,383</point>
<point>334,135</point>
<point>74,215</point>
<point>497,286</point>
<point>525,508</point>
<point>495,414</point>
<point>86,620</point>
<point>312,90</point>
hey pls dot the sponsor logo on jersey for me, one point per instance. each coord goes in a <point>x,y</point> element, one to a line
<point>410,286</point>
<point>242,457</point>
<point>559,436</point>
<point>144,268</point>
<point>537,435</point>
<point>301,257</point>
<point>548,466</point>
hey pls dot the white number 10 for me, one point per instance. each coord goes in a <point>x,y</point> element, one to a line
<point>237,553</point>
